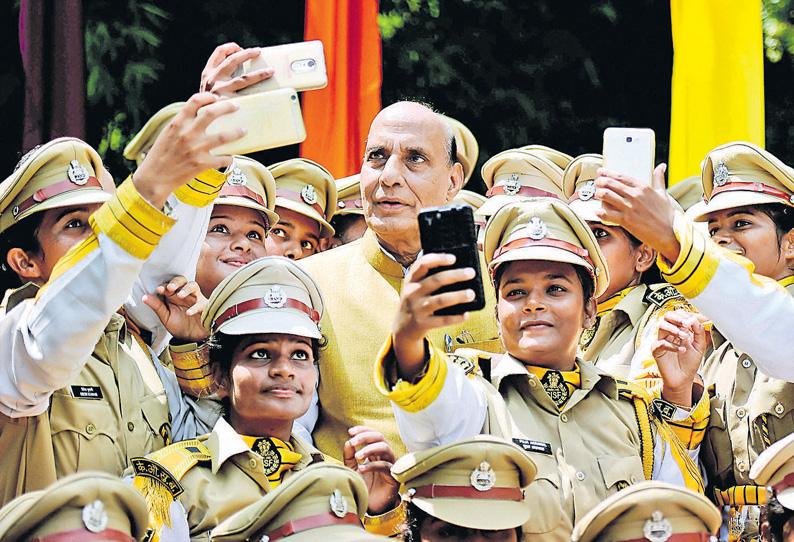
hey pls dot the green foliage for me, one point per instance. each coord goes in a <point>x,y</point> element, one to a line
<point>121,49</point>
<point>778,28</point>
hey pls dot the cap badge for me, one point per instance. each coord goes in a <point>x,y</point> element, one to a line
<point>483,478</point>
<point>95,518</point>
<point>309,194</point>
<point>513,185</point>
<point>658,528</point>
<point>77,173</point>
<point>537,228</point>
<point>275,298</point>
<point>721,174</point>
<point>237,177</point>
<point>338,504</point>
<point>587,191</point>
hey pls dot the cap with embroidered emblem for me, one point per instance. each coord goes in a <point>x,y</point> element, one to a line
<point>544,229</point>
<point>652,511</point>
<point>741,173</point>
<point>476,483</point>
<point>250,184</point>
<point>307,188</point>
<point>82,506</point>
<point>269,295</point>
<point>60,173</point>
<point>323,501</point>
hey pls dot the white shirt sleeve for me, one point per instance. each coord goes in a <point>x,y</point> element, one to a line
<point>444,421</point>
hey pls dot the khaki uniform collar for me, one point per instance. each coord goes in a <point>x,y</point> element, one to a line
<point>15,297</point>
<point>591,376</point>
<point>633,304</point>
<point>224,443</point>
<point>378,258</point>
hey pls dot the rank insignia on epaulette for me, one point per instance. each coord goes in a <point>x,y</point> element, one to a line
<point>151,469</point>
<point>665,409</point>
<point>662,295</point>
<point>468,366</point>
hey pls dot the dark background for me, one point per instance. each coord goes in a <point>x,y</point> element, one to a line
<point>514,71</point>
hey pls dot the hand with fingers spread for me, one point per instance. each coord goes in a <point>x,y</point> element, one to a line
<point>678,351</point>
<point>368,453</point>
<point>182,150</point>
<point>418,302</point>
<point>216,77</point>
<point>180,308</point>
<point>642,209</point>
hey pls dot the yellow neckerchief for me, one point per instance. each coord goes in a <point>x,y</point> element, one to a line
<point>786,281</point>
<point>556,391</point>
<point>278,456</point>
<point>608,304</point>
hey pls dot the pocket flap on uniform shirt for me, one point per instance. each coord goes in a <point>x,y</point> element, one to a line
<point>89,418</point>
<point>156,413</point>
<point>620,469</point>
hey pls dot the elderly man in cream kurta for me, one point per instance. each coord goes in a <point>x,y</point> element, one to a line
<point>409,164</point>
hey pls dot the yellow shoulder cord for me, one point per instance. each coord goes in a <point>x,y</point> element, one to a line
<point>157,479</point>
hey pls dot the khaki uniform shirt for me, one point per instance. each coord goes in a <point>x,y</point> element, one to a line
<point>584,452</point>
<point>233,478</point>
<point>361,286</point>
<point>749,412</point>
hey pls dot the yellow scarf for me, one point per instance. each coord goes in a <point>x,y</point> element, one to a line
<point>786,281</point>
<point>559,385</point>
<point>604,308</point>
<point>278,456</point>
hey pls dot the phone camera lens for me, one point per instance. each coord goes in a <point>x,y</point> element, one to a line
<point>311,63</point>
<point>628,140</point>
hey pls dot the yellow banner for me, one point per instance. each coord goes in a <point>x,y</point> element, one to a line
<point>718,79</point>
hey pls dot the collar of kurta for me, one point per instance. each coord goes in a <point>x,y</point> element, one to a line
<point>377,258</point>
<point>224,442</point>
<point>590,376</point>
<point>630,302</point>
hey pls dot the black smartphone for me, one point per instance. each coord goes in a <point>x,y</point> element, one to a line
<point>450,230</point>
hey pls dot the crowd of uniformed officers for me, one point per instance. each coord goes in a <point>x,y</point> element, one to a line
<point>218,349</point>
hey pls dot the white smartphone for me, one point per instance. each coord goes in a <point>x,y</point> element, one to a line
<point>295,65</point>
<point>273,119</point>
<point>630,151</point>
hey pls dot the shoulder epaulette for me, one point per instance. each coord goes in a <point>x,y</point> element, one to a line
<point>157,477</point>
<point>631,390</point>
<point>469,359</point>
<point>661,295</point>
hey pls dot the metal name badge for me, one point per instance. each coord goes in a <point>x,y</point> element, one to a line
<point>587,191</point>
<point>483,477</point>
<point>77,173</point>
<point>338,504</point>
<point>275,297</point>
<point>237,177</point>
<point>658,528</point>
<point>309,194</point>
<point>537,229</point>
<point>95,518</point>
<point>721,174</point>
<point>513,185</point>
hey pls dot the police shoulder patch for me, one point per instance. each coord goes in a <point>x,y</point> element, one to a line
<point>661,295</point>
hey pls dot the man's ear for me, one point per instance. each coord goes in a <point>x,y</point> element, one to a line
<point>590,311</point>
<point>27,266</point>
<point>455,181</point>
<point>221,379</point>
<point>645,256</point>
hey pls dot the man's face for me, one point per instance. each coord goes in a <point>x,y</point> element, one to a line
<point>405,169</point>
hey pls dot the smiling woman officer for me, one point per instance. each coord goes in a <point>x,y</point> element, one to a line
<point>264,323</point>
<point>590,434</point>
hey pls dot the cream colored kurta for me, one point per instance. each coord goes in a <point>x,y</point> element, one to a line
<point>361,286</point>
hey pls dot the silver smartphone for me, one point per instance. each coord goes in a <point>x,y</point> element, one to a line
<point>630,151</point>
<point>273,119</point>
<point>295,65</point>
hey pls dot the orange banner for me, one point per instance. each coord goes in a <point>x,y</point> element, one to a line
<point>337,117</point>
